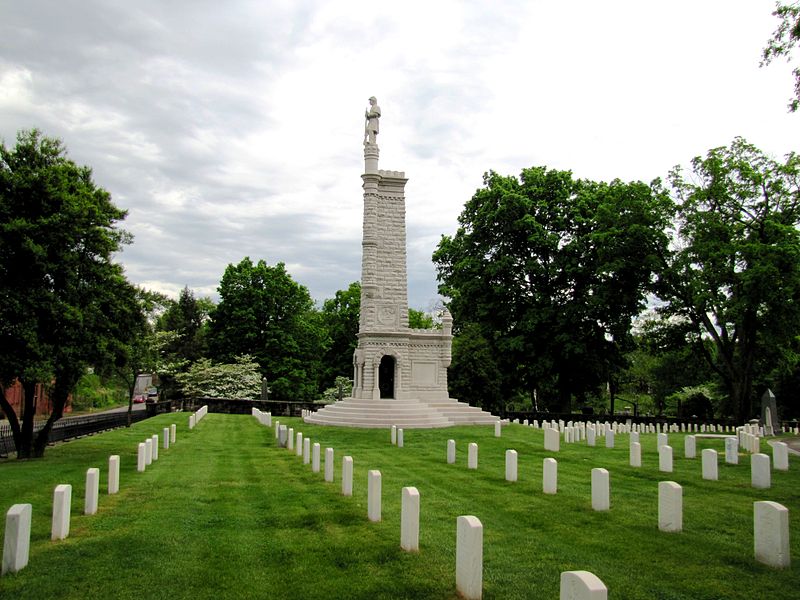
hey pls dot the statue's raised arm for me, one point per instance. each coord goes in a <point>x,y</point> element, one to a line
<point>372,115</point>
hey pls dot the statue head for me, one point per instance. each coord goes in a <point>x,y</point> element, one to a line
<point>373,100</point>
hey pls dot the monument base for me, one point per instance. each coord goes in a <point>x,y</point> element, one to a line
<point>406,413</point>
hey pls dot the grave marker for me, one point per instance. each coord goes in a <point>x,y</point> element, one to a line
<point>374,495</point>
<point>347,476</point>
<point>549,476</point>
<point>472,456</point>
<point>469,557</point>
<point>780,456</point>
<point>601,492</point>
<point>731,451</point>
<point>393,435</point>
<point>290,439</point>
<point>582,585</point>
<point>92,491</point>
<point>329,465</point>
<point>409,520</point>
<point>497,429</point>
<point>451,452</point>
<point>141,458</point>
<point>400,437</point>
<point>709,458</point>
<point>552,439</point>
<point>62,502</point>
<point>511,465</point>
<point>771,534</point>
<point>165,436</point>
<point>306,451</point>
<point>610,438</point>
<point>154,449</point>
<point>17,540</point>
<point>670,506</point>
<point>173,432</point>
<point>636,454</point>
<point>690,446</point>
<point>665,459</point>
<point>113,474</point>
<point>315,458</point>
<point>760,476</point>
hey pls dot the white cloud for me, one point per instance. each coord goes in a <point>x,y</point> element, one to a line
<point>234,129</point>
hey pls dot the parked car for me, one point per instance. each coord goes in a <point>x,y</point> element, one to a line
<point>139,399</point>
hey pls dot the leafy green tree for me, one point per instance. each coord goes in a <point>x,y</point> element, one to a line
<point>340,319</point>
<point>264,313</point>
<point>62,295</point>
<point>475,375</point>
<point>418,319</point>
<point>188,318</point>
<point>734,277</point>
<point>784,39</point>
<point>555,268</point>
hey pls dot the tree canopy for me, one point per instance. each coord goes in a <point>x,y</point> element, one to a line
<point>553,269</point>
<point>783,41</point>
<point>65,303</point>
<point>265,314</point>
<point>734,276</point>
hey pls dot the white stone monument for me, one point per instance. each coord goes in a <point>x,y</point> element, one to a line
<point>399,373</point>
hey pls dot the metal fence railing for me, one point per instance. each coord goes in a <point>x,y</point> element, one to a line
<point>72,427</point>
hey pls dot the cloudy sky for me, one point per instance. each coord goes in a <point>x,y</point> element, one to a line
<point>234,128</point>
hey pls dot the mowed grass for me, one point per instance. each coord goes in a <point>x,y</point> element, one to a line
<point>224,513</point>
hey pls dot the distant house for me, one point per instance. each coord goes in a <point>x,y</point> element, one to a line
<point>44,406</point>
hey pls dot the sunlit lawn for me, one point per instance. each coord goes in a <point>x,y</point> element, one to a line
<point>224,513</point>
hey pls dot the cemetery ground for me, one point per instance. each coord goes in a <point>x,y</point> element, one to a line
<point>225,513</point>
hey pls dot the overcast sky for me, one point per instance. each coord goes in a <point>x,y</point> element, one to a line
<point>234,128</point>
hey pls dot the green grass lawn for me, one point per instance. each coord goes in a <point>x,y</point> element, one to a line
<point>224,513</point>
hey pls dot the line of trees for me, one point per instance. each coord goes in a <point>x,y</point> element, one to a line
<point>547,277</point>
<point>548,274</point>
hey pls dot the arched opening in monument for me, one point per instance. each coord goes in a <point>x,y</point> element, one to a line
<point>386,377</point>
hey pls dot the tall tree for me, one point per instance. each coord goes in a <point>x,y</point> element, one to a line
<point>187,318</point>
<point>340,319</point>
<point>264,313</point>
<point>735,275</point>
<point>61,293</point>
<point>555,268</point>
<point>783,41</point>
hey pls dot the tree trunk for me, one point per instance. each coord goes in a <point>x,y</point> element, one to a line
<point>13,420</point>
<point>59,397</point>
<point>25,446</point>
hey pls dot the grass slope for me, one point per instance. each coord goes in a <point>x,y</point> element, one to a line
<point>225,514</point>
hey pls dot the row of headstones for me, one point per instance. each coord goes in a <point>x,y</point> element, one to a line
<point>265,418</point>
<point>771,527</point>
<point>196,417</point>
<point>579,585</point>
<point>602,427</point>
<point>17,540</point>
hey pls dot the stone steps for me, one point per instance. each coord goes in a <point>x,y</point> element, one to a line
<point>409,414</point>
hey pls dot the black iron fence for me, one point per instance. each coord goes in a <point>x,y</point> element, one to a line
<point>72,427</point>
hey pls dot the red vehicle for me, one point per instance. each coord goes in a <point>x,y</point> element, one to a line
<point>139,398</point>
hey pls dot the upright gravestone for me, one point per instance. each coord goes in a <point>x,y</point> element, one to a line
<point>113,474</point>
<point>636,454</point>
<point>329,465</point>
<point>550,476</point>
<point>347,476</point>
<point>601,490</point>
<point>771,534</point>
<point>581,585</point>
<point>731,451</point>
<point>451,452</point>
<point>552,439</point>
<point>769,413</point>
<point>780,456</point>
<point>92,491</point>
<point>17,540</point>
<point>472,456</point>
<point>610,438</point>
<point>315,458</point>
<point>62,501</point>
<point>665,459</point>
<point>409,520</point>
<point>709,464</point>
<point>670,506</point>
<point>760,476</point>
<point>511,465</point>
<point>469,557</point>
<point>690,446</point>
<point>374,495</point>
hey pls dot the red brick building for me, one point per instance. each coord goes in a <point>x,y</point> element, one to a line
<point>44,406</point>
